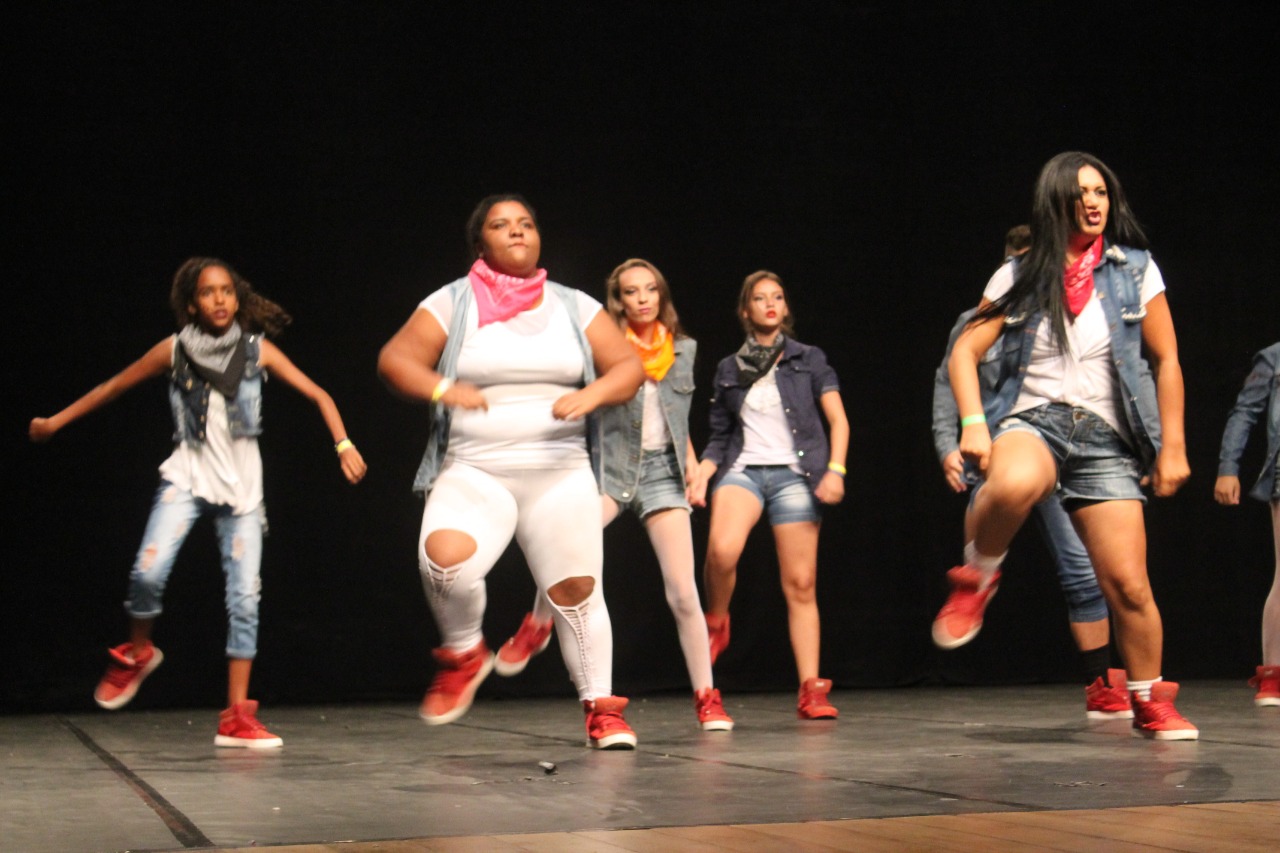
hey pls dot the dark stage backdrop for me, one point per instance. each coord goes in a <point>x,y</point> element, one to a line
<point>872,153</point>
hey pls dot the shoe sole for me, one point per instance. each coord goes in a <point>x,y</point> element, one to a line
<point>508,668</point>
<point>823,716</point>
<point>1175,734</point>
<point>1266,701</point>
<point>621,740</point>
<point>248,742</point>
<point>1109,715</point>
<point>157,657</point>
<point>464,703</point>
<point>717,726</point>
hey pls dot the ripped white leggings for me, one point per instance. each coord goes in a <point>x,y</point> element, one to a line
<point>555,517</point>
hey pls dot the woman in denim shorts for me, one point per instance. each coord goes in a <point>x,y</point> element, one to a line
<point>649,467</point>
<point>1260,396</point>
<point>768,451</point>
<point>1074,415</point>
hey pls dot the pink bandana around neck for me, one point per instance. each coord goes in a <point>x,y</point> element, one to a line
<point>1078,277</point>
<point>499,296</point>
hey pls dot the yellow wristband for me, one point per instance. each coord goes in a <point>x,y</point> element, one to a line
<point>837,468</point>
<point>345,444</point>
<point>970,420</point>
<point>442,388</point>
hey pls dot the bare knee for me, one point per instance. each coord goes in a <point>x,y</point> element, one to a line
<point>571,591</point>
<point>1129,594</point>
<point>447,548</point>
<point>1015,491</point>
<point>800,590</point>
<point>721,560</point>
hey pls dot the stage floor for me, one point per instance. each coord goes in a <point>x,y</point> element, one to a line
<point>152,780</point>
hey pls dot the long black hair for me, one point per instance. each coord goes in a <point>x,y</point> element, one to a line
<point>1038,281</point>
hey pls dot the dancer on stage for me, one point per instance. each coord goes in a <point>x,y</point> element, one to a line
<point>1073,416</point>
<point>1106,694</point>
<point>514,366</point>
<point>1261,393</point>
<point>649,465</point>
<point>768,452</point>
<point>215,366</point>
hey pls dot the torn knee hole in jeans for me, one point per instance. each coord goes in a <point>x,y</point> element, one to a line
<point>446,546</point>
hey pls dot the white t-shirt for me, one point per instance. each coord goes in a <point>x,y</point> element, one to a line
<point>522,365</point>
<point>1084,374</point>
<point>766,435</point>
<point>221,470</point>
<point>654,434</point>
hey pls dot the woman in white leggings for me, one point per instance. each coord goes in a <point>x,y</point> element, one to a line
<point>514,366</point>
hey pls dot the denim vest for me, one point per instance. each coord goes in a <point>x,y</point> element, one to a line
<point>803,377</point>
<point>624,425</point>
<point>1261,392</point>
<point>447,366</point>
<point>1117,281</point>
<point>189,396</point>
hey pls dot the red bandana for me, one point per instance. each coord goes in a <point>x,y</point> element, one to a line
<point>1078,277</point>
<point>499,296</point>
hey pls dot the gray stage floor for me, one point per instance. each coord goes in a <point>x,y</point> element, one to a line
<point>152,780</point>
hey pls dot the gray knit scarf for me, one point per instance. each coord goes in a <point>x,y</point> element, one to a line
<point>218,361</point>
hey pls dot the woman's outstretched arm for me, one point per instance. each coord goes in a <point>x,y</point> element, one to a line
<point>154,363</point>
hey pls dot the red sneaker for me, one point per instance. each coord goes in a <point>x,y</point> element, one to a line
<point>711,713</point>
<point>1267,681</point>
<point>125,674</point>
<point>960,619</point>
<point>239,726</point>
<point>1158,718</point>
<point>717,634</point>
<point>531,639</point>
<point>1109,699</point>
<point>458,675</point>
<point>813,703</point>
<point>605,727</point>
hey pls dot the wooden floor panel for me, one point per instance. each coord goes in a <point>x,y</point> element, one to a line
<point>1198,828</point>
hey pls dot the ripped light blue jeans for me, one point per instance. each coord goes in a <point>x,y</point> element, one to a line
<point>173,511</point>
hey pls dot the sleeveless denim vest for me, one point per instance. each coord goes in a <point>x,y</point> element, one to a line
<point>438,425</point>
<point>189,396</point>
<point>1118,284</point>
<point>623,426</point>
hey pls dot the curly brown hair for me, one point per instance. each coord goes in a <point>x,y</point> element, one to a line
<point>255,314</point>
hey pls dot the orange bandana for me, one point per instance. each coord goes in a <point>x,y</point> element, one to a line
<point>658,356</point>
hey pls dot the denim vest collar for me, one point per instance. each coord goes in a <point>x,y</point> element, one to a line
<point>189,397</point>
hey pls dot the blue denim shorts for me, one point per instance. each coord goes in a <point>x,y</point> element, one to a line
<point>1094,462</point>
<point>782,492</point>
<point>661,486</point>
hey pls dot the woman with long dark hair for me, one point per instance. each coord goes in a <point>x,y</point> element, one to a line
<point>1073,414</point>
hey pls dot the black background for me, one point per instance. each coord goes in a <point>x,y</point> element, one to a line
<point>872,153</point>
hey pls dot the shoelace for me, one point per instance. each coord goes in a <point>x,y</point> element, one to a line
<point>605,721</point>
<point>120,674</point>
<point>1160,712</point>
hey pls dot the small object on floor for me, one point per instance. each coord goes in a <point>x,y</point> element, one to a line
<point>1108,700</point>
<point>1267,680</point>
<point>239,726</point>
<point>812,703</point>
<point>548,767</point>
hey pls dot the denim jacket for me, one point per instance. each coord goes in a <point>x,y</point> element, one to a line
<point>803,377</point>
<point>1261,391</point>
<point>447,366</point>
<point>623,425</point>
<point>189,396</point>
<point>1117,281</point>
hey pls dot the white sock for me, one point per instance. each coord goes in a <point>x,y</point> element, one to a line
<point>1142,689</point>
<point>987,565</point>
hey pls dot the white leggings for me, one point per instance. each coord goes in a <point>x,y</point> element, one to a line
<point>554,515</point>
<point>1271,609</point>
